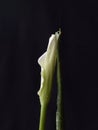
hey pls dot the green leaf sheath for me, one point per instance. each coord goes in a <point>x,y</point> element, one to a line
<point>43,113</point>
<point>59,112</point>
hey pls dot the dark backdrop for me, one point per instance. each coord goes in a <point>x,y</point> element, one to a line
<point>25,27</point>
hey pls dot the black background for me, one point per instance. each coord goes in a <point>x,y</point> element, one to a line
<point>25,27</point>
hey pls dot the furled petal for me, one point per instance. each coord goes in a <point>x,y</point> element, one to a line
<point>41,60</point>
<point>48,62</point>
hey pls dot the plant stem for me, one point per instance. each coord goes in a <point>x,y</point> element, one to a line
<point>59,112</point>
<point>43,113</point>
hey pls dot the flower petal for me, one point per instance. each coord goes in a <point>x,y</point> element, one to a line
<point>48,62</point>
<point>41,60</point>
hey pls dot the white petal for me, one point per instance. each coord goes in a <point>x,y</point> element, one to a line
<point>42,81</point>
<point>51,41</point>
<point>41,60</point>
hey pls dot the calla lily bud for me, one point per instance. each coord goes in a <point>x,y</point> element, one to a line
<point>48,62</point>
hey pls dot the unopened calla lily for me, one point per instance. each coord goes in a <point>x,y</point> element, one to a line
<point>48,62</point>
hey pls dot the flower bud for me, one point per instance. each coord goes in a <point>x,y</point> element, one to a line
<point>48,62</point>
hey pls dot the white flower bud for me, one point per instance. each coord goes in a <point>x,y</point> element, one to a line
<point>48,62</point>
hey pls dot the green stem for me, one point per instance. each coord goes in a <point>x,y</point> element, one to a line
<point>59,112</point>
<point>43,113</point>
